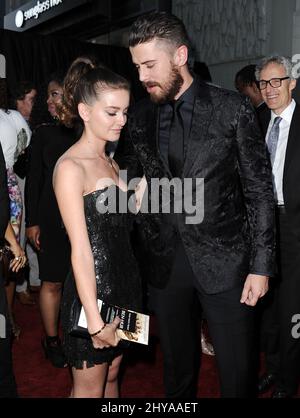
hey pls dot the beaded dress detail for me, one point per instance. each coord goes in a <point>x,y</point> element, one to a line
<point>116,270</point>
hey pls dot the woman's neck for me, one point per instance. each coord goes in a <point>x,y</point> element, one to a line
<point>95,147</point>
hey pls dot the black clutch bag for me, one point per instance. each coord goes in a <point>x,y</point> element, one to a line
<point>78,327</point>
<point>75,329</point>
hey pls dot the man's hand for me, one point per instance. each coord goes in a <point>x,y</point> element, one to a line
<point>33,235</point>
<point>255,287</point>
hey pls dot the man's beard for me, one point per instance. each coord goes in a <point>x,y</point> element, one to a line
<point>169,90</point>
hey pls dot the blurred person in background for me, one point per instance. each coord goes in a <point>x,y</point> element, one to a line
<point>44,227</point>
<point>23,97</point>
<point>15,136</point>
<point>7,380</point>
<point>246,83</point>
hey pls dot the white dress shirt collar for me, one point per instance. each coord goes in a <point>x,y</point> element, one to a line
<point>287,114</point>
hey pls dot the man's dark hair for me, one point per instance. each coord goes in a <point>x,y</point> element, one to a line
<point>158,25</point>
<point>246,76</point>
<point>19,91</point>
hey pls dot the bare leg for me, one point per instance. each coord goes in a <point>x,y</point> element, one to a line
<point>89,382</point>
<point>50,296</point>
<point>112,384</point>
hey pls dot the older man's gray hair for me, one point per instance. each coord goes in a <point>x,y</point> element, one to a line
<point>276,59</point>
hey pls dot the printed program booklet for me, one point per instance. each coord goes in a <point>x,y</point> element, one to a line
<point>134,326</point>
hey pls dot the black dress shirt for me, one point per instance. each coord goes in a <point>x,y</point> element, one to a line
<point>165,118</point>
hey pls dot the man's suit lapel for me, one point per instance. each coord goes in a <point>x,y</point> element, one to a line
<point>164,163</point>
<point>202,116</point>
<point>293,145</point>
<point>145,136</point>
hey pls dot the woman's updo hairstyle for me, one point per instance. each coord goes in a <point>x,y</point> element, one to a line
<point>84,83</point>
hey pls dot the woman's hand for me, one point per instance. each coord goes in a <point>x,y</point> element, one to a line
<point>33,235</point>
<point>20,258</point>
<point>108,336</point>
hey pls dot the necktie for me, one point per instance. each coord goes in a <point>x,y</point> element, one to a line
<point>176,141</point>
<point>273,138</point>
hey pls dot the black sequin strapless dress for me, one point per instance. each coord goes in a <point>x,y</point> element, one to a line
<point>117,275</point>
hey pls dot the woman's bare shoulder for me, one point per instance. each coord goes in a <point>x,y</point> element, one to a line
<point>68,166</point>
<point>69,163</point>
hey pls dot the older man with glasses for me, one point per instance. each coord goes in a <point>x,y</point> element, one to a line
<point>282,306</point>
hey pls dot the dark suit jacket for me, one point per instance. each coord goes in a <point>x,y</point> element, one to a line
<point>263,115</point>
<point>225,147</point>
<point>291,172</point>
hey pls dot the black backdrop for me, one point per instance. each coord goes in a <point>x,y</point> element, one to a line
<point>35,57</point>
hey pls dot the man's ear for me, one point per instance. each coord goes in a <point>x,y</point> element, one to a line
<point>181,56</point>
<point>84,112</point>
<point>293,84</point>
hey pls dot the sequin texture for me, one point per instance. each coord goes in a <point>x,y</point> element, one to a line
<point>116,271</point>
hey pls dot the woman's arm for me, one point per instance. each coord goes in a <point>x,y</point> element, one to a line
<point>6,230</point>
<point>68,184</point>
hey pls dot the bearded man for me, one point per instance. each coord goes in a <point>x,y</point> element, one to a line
<point>202,136</point>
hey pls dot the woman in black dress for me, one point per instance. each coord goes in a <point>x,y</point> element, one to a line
<point>44,227</point>
<point>102,259</point>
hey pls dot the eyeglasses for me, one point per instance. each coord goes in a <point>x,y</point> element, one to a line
<point>274,82</point>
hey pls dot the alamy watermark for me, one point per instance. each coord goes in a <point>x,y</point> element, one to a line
<point>175,196</point>
<point>2,326</point>
<point>296,328</point>
<point>2,66</point>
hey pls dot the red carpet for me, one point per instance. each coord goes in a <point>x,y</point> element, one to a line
<point>141,373</point>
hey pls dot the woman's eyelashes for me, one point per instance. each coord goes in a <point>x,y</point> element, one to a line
<point>116,114</point>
